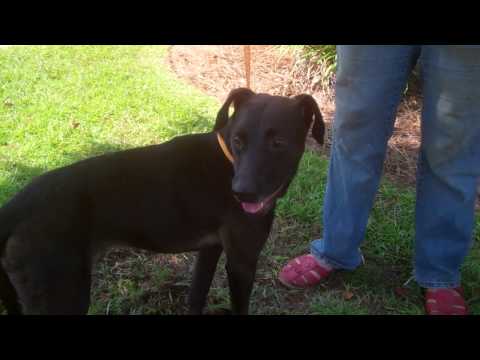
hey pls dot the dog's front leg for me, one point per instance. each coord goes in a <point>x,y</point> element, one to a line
<point>241,275</point>
<point>204,271</point>
<point>242,248</point>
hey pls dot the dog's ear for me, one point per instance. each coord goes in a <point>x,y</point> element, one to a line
<point>238,97</point>
<point>311,112</point>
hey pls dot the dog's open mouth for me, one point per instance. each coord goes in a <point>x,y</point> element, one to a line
<point>261,206</point>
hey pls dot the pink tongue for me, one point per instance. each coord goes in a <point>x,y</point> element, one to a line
<point>252,208</point>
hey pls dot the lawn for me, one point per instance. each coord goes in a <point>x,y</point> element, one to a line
<point>60,104</point>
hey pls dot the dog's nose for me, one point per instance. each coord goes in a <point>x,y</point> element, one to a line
<point>246,197</point>
<point>244,190</point>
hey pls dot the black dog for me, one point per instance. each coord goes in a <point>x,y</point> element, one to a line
<point>209,192</point>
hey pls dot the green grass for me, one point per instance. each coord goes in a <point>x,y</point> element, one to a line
<point>62,104</point>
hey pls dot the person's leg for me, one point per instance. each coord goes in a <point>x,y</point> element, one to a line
<point>449,163</point>
<point>369,85</point>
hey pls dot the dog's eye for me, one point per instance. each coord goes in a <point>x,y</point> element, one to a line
<point>238,143</point>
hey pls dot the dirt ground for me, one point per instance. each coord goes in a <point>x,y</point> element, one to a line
<point>217,69</point>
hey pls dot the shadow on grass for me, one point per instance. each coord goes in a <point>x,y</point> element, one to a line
<point>19,175</point>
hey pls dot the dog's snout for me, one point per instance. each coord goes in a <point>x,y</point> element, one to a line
<point>243,191</point>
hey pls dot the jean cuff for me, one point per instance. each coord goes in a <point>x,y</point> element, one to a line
<point>429,284</point>
<point>317,250</point>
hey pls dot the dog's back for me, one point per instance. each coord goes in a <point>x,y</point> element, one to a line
<point>160,197</point>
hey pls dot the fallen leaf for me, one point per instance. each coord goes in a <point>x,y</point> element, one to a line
<point>402,292</point>
<point>347,295</point>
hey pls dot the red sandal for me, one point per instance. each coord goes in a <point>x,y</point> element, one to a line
<point>445,301</point>
<point>302,272</point>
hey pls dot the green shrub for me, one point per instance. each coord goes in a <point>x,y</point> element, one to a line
<point>326,56</point>
<point>323,55</point>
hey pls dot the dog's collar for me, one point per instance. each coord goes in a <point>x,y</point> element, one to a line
<point>224,148</point>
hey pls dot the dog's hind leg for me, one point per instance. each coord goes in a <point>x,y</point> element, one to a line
<point>8,293</point>
<point>205,266</point>
<point>49,280</point>
<point>52,291</point>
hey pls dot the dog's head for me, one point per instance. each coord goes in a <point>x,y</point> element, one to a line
<point>266,136</point>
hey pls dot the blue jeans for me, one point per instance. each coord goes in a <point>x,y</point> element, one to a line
<point>370,83</point>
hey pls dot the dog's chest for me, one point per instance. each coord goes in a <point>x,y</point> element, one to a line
<point>209,240</point>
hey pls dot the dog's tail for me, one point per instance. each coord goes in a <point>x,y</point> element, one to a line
<point>8,295</point>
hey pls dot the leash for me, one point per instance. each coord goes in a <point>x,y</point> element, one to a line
<point>224,148</point>
<point>247,61</point>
